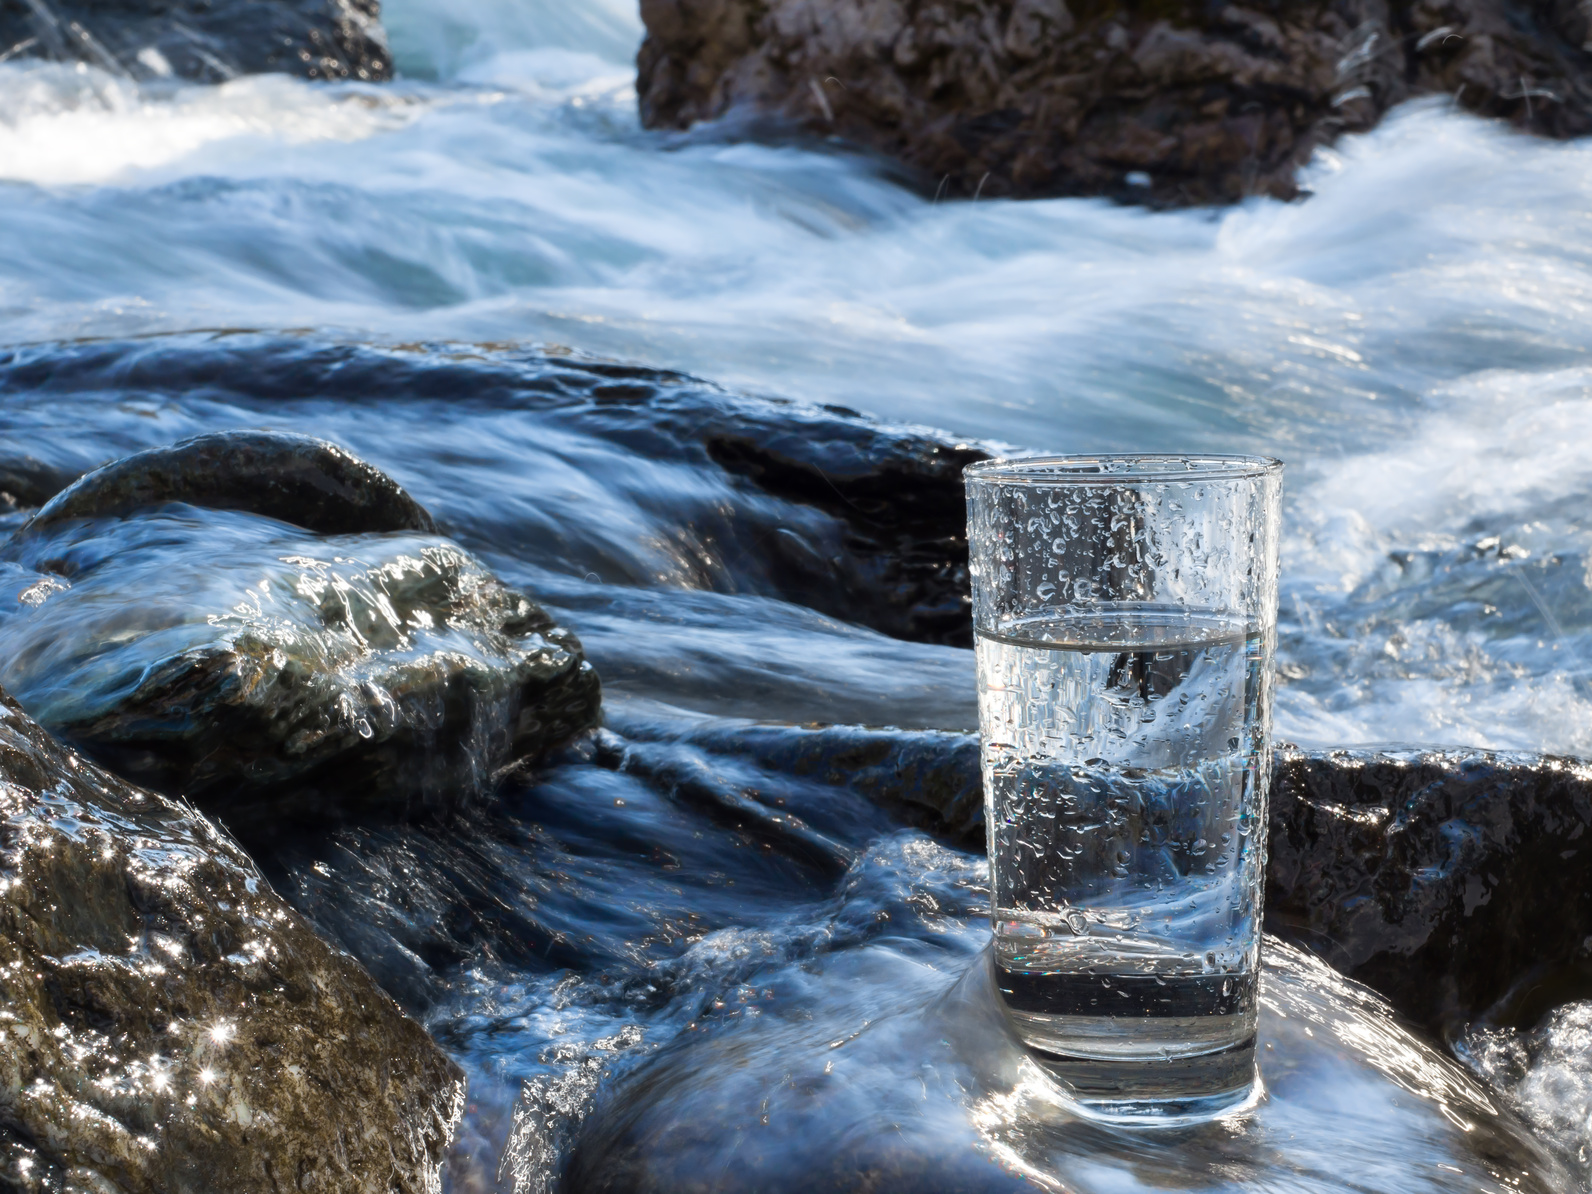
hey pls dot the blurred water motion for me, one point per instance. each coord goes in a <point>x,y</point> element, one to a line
<point>1413,339</point>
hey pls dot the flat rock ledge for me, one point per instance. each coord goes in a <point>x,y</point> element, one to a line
<point>168,1025</point>
<point>1168,103</point>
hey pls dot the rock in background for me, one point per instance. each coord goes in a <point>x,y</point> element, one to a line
<point>205,40</point>
<point>1169,103</point>
<point>168,1025</point>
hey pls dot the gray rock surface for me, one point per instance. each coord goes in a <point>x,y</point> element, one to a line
<point>1457,883</point>
<point>205,40</point>
<point>1170,103</point>
<point>169,1026</point>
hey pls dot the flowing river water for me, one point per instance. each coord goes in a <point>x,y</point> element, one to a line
<point>1413,339</point>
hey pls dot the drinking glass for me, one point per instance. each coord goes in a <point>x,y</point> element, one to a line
<point>1125,611</point>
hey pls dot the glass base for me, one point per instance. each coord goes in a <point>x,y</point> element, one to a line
<point>1158,1092</point>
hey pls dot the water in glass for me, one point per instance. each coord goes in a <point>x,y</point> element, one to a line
<point>1123,757</point>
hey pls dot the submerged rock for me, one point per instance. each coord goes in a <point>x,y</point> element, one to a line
<point>276,676</point>
<point>674,872</point>
<point>1172,103</point>
<point>168,1024</point>
<point>1458,884</point>
<point>208,41</point>
<point>874,1071</point>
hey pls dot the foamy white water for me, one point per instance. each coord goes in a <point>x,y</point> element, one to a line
<point>1413,339</point>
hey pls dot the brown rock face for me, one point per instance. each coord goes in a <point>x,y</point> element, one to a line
<point>1163,101</point>
<point>168,1025</point>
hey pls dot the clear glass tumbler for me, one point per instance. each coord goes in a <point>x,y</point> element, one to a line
<point>1125,609</point>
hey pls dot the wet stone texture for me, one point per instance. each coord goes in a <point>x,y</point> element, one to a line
<point>1457,883</point>
<point>278,677</point>
<point>927,1089</point>
<point>168,1025</point>
<point>1167,103</point>
<point>209,41</point>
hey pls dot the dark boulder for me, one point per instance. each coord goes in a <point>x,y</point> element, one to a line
<point>899,496</point>
<point>205,40</point>
<point>1168,103</point>
<point>169,1025</point>
<point>276,676</point>
<point>1457,883</point>
<point>291,478</point>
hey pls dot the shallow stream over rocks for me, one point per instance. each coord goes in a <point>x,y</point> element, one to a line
<point>479,279</point>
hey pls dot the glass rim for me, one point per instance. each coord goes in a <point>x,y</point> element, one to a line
<point>1153,467</point>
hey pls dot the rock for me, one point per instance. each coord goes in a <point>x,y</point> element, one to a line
<point>208,41</point>
<point>1173,103</point>
<point>860,520</point>
<point>1457,883</point>
<point>168,1024</point>
<point>900,498</point>
<point>292,478</point>
<point>675,824</point>
<point>278,677</point>
<point>26,482</point>
<point>867,1072</point>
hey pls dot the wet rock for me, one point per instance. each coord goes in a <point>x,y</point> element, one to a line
<point>168,1024</point>
<point>628,812</point>
<point>675,871</point>
<point>1457,883</point>
<point>292,478</point>
<point>27,483</point>
<point>278,677</point>
<point>900,498</point>
<point>873,1071</point>
<point>1170,103</point>
<point>208,41</point>
<point>857,519</point>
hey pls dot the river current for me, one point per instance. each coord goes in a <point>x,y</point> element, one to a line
<point>1413,339</point>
